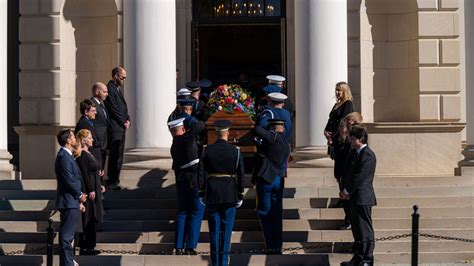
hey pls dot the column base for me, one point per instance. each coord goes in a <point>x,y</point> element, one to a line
<point>6,168</point>
<point>467,165</point>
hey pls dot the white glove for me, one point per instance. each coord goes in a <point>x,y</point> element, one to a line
<point>202,201</point>
<point>239,203</point>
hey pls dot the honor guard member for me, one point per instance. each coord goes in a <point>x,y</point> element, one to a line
<point>269,179</point>
<point>278,81</point>
<point>199,107</point>
<point>183,93</point>
<point>205,89</point>
<point>186,106</point>
<point>222,191</point>
<point>265,102</point>
<point>184,152</point>
<point>276,111</point>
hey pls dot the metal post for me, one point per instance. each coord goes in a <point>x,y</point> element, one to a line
<point>414,235</point>
<point>49,243</point>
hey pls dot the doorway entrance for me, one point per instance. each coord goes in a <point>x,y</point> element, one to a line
<point>249,44</point>
<point>228,51</point>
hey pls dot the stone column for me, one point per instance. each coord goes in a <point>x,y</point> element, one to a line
<point>321,62</point>
<point>150,60</point>
<point>468,152</point>
<point>5,167</point>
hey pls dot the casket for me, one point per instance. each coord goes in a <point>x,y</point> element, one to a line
<point>240,130</point>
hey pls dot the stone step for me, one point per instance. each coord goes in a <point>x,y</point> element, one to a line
<point>431,258</point>
<point>303,247</point>
<point>300,177</point>
<point>244,225</point>
<point>237,236</point>
<point>302,213</point>
<point>288,203</point>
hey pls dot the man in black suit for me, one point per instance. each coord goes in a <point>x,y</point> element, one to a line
<point>119,122</point>
<point>88,111</point>
<point>358,188</point>
<point>101,122</point>
<point>69,197</point>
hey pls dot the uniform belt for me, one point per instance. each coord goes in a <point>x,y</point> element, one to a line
<point>219,175</point>
<point>191,163</point>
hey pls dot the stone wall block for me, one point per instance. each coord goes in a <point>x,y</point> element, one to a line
<point>49,56</point>
<point>403,82</point>
<point>29,56</point>
<point>66,111</point>
<point>427,4</point>
<point>82,31</point>
<point>353,74</point>
<point>436,24</point>
<point>120,27</point>
<point>390,6</point>
<point>353,53</point>
<point>49,111</point>
<point>353,25</point>
<point>29,7</point>
<point>451,107</point>
<point>353,5</point>
<point>446,79</point>
<point>429,107</point>
<point>104,30</point>
<point>119,4</point>
<point>375,27</point>
<point>29,111</point>
<point>39,84</point>
<point>381,87</point>
<point>413,54</point>
<point>373,54</point>
<point>50,7</point>
<point>39,29</point>
<point>428,52</point>
<point>450,52</point>
<point>397,54</point>
<point>449,4</point>
<point>402,27</point>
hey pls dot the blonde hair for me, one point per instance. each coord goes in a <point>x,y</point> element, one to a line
<point>82,134</point>
<point>345,125</point>
<point>346,91</point>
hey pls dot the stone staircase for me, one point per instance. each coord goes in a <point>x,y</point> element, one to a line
<point>141,219</point>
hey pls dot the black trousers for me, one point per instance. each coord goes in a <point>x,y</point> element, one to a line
<point>362,230</point>
<point>346,206</point>
<point>117,146</point>
<point>103,154</point>
<point>88,238</point>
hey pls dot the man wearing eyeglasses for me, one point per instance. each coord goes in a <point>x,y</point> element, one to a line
<point>119,122</point>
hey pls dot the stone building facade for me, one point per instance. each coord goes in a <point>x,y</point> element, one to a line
<point>407,62</point>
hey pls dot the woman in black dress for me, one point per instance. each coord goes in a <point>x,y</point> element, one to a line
<point>93,216</point>
<point>343,155</point>
<point>342,107</point>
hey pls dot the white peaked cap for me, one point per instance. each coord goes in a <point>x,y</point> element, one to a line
<point>277,96</point>
<point>275,78</point>
<point>176,123</point>
<point>183,92</point>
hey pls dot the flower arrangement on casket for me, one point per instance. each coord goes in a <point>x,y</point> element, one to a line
<point>231,97</point>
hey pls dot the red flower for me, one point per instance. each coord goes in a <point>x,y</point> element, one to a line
<point>229,100</point>
<point>238,108</point>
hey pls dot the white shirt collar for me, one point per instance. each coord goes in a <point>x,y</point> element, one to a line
<point>361,148</point>
<point>97,100</point>
<point>66,149</point>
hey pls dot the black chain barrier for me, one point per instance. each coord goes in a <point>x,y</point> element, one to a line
<point>50,249</point>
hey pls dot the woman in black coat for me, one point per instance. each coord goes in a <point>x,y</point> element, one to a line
<point>343,153</point>
<point>93,216</point>
<point>342,107</point>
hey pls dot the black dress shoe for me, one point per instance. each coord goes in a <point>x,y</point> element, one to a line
<point>353,262</point>
<point>345,227</point>
<point>114,187</point>
<point>179,251</point>
<point>191,251</point>
<point>366,263</point>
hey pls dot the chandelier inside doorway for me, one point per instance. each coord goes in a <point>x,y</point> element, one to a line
<point>240,8</point>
